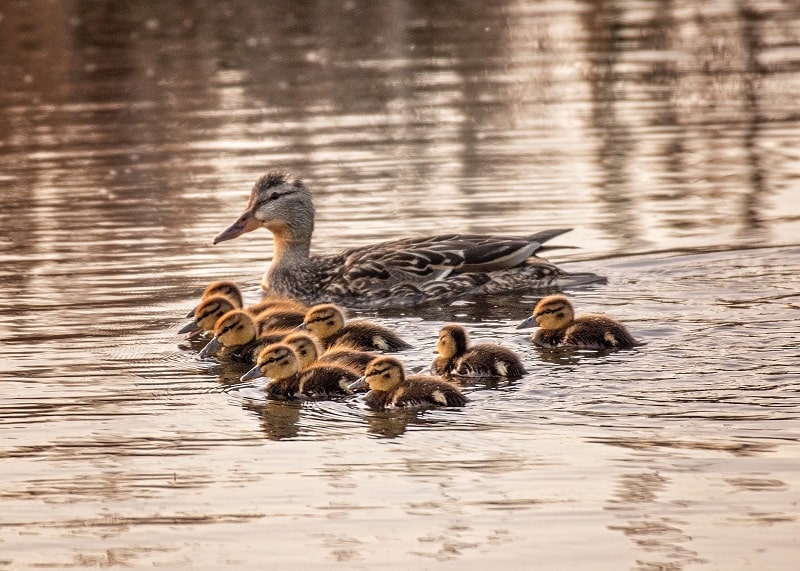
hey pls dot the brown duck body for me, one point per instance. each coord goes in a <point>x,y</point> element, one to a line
<point>404,272</point>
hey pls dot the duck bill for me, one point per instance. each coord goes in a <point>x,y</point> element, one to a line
<point>211,348</point>
<point>530,322</point>
<point>189,327</point>
<point>358,384</point>
<point>191,313</point>
<point>253,373</point>
<point>247,222</point>
<point>301,327</point>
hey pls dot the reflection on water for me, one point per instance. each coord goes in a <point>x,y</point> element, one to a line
<point>663,133</point>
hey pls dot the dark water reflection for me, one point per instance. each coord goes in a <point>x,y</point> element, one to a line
<point>663,132</point>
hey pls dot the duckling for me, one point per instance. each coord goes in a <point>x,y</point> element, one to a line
<point>327,322</point>
<point>558,327</point>
<point>391,388</point>
<point>241,335</point>
<point>405,272</point>
<point>456,357</point>
<point>282,365</point>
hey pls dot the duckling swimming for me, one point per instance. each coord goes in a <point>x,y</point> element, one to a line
<point>391,388</point>
<point>306,346</point>
<point>558,327</point>
<point>282,365</point>
<point>456,357</point>
<point>403,272</point>
<point>241,335</point>
<point>327,322</point>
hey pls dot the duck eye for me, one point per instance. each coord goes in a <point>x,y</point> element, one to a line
<point>274,196</point>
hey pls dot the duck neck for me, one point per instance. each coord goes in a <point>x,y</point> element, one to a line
<point>290,245</point>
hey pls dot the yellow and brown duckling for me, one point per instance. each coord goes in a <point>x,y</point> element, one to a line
<point>390,387</point>
<point>558,327</point>
<point>241,335</point>
<point>404,272</point>
<point>456,357</point>
<point>289,379</point>
<point>327,322</point>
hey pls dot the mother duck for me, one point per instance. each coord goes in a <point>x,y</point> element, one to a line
<point>396,273</point>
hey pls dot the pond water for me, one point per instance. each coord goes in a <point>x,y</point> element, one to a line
<point>663,133</point>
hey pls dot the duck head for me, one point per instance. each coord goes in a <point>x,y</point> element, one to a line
<point>453,341</point>
<point>324,320</point>
<point>208,313</point>
<point>221,287</point>
<point>305,346</point>
<point>282,205</point>
<point>382,374</point>
<point>552,312</point>
<point>277,361</point>
<point>234,328</point>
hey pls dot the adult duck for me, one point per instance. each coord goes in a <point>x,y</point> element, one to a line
<point>395,273</point>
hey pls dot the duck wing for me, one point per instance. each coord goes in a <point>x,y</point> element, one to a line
<point>416,260</point>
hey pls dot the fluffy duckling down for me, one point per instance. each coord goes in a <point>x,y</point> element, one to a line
<point>327,322</point>
<point>289,379</point>
<point>390,387</point>
<point>558,327</point>
<point>456,357</point>
<point>241,335</point>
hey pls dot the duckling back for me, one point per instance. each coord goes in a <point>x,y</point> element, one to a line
<point>598,332</point>
<point>371,337</point>
<point>424,390</point>
<point>488,360</point>
<point>347,356</point>
<point>327,380</point>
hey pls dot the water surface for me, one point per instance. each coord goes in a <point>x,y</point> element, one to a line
<point>664,133</point>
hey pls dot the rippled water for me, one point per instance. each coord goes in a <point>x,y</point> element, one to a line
<point>664,133</point>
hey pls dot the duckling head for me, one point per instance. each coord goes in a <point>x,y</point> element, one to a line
<point>382,374</point>
<point>208,313</point>
<point>453,341</point>
<point>305,346</point>
<point>552,312</point>
<point>280,203</point>
<point>324,320</point>
<point>234,328</point>
<point>277,361</point>
<point>227,288</point>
